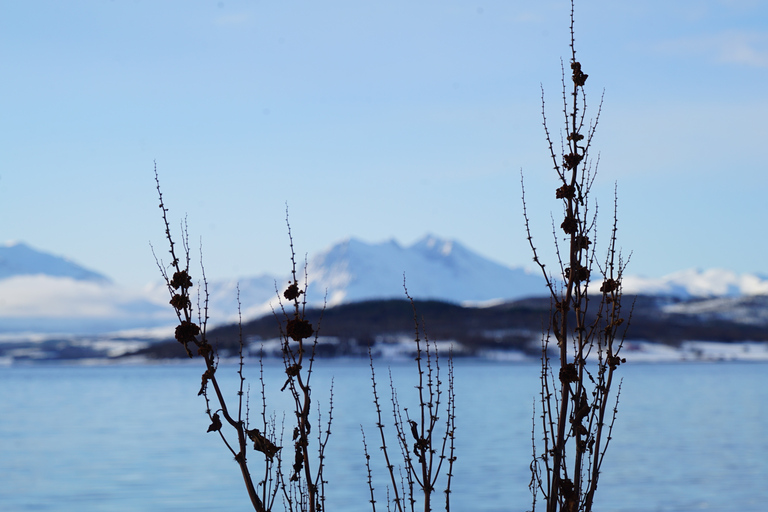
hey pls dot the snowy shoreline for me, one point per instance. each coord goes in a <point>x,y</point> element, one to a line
<point>109,351</point>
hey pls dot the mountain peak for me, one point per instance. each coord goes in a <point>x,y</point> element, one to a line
<point>19,259</point>
<point>433,267</point>
<point>432,243</point>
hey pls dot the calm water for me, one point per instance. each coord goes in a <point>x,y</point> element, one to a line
<point>689,437</point>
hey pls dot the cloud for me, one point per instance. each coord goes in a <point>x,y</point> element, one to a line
<point>739,48</point>
<point>63,297</point>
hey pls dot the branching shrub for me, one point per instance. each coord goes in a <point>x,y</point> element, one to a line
<point>304,489</point>
<point>577,411</point>
<point>580,354</point>
<point>425,443</point>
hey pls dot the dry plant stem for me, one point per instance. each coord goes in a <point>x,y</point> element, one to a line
<point>190,333</point>
<point>422,450</point>
<point>574,403</point>
<point>372,501</point>
<point>305,489</point>
<point>273,465</point>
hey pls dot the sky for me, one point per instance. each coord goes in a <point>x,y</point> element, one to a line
<point>376,120</point>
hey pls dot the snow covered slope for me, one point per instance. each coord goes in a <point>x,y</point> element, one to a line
<point>40,292</point>
<point>696,283</point>
<point>433,268</point>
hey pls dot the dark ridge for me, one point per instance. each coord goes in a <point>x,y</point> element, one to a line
<point>512,325</point>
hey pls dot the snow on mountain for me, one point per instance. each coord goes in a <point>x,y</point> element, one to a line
<point>353,270</point>
<point>433,268</point>
<point>696,283</point>
<point>19,259</point>
<point>40,292</point>
<point>745,309</point>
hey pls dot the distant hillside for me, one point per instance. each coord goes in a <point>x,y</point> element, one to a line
<point>516,325</point>
<point>44,293</point>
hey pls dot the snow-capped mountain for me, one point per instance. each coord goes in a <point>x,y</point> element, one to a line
<point>40,292</point>
<point>696,283</point>
<point>353,270</point>
<point>433,268</point>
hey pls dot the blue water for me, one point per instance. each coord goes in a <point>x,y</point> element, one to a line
<point>689,437</point>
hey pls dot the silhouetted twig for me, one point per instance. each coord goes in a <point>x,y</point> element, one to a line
<point>587,336</point>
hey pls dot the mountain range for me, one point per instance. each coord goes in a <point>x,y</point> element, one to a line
<point>41,292</point>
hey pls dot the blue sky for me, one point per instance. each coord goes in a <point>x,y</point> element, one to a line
<point>376,120</point>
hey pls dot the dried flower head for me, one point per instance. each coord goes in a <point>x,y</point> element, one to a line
<point>609,285</point>
<point>571,160</point>
<point>299,329</point>
<point>580,274</point>
<point>568,373</point>
<point>579,78</point>
<point>565,192</point>
<point>569,225</point>
<point>292,292</point>
<point>186,332</point>
<point>180,302</point>
<point>581,242</point>
<point>615,361</point>
<point>181,279</point>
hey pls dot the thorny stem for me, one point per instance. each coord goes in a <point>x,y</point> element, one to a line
<point>423,456</point>
<point>309,490</point>
<point>570,476</point>
<point>179,286</point>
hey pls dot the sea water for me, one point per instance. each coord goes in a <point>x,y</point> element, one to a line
<point>688,436</point>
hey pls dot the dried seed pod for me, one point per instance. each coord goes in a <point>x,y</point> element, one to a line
<point>571,160</point>
<point>615,361</point>
<point>181,279</point>
<point>565,192</point>
<point>568,373</point>
<point>292,292</point>
<point>609,285</point>
<point>298,329</point>
<point>569,225</point>
<point>579,78</point>
<point>186,332</point>
<point>579,274</point>
<point>180,302</point>
<point>581,242</point>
